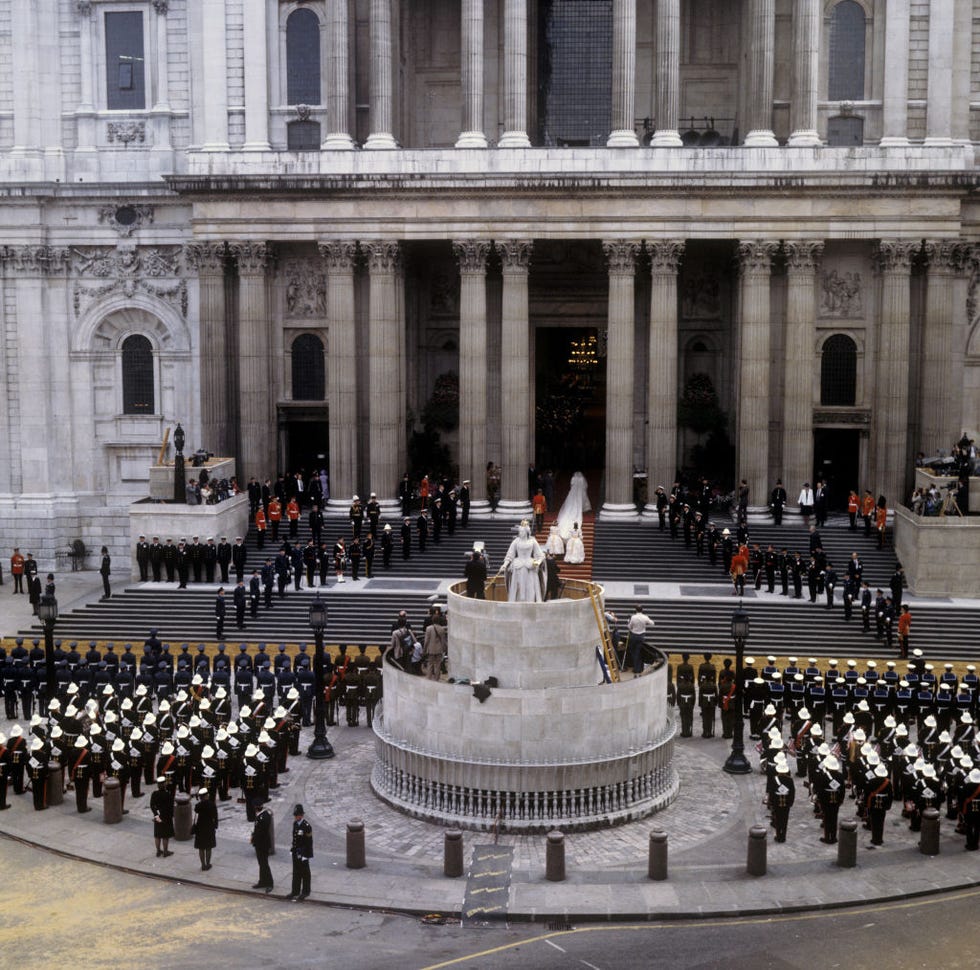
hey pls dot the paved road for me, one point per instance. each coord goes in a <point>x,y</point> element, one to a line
<point>61,912</point>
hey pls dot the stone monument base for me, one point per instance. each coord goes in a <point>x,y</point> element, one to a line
<point>940,554</point>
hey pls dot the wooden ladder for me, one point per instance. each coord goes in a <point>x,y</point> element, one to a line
<point>612,662</point>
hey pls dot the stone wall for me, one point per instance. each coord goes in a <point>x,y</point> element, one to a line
<point>941,556</point>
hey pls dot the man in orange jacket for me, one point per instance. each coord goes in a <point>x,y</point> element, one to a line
<point>292,513</point>
<point>17,571</point>
<point>853,507</point>
<point>260,525</point>
<point>275,517</point>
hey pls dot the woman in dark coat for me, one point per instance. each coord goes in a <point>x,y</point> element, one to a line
<point>205,828</point>
<point>162,807</point>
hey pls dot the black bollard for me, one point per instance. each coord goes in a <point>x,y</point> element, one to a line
<point>657,863</point>
<point>182,817</point>
<point>929,837</point>
<point>755,864</point>
<point>111,802</point>
<point>452,863</point>
<point>847,843</point>
<point>355,844</point>
<point>554,866</point>
<point>55,783</point>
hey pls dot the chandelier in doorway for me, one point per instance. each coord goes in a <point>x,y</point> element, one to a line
<point>583,354</point>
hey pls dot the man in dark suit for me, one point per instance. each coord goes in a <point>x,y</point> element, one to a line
<point>219,614</point>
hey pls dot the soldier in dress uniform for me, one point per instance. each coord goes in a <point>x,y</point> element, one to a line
<point>781,799</point>
<point>685,694</point>
<point>37,772</point>
<point>969,801</point>
<point>829,784</point>
<point>143,558</point>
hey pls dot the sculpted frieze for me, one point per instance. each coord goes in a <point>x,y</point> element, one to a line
<point>153,271</point>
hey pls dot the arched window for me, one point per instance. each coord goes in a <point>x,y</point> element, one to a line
<point>838,372</point>
<point>309,383</point>
<point>303,58</point>
<point>137,375</point>
<point>846,67</point>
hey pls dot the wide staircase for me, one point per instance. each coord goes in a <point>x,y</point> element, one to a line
<point>640,552</point>
<point>696,620</point>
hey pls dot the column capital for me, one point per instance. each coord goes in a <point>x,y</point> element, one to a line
<point>384,255</point>
<point>894,256</point>
<point>35,260</point>
<point>339,255</point>
<point>252,257</point>
<point>665,256</point>
<point>755,256</point>
<point>803,256</point>
<point>83,7</point>
<point>515,254</point>
<point>206,258</point>
<point>162,7</point>
<point>471,254</point>
<point>946,255</point>
<point>621,256</point>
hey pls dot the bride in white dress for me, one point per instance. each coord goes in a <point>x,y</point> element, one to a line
<point>554,545</point>
<point>574,507</point>
<point>575,548</point>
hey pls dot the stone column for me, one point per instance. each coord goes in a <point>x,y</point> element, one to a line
<point>802,264</point>
<point>384,373</point>
<point>162,100</point>
<point>471,70</point>
<point>752,446</point>
<point>623,134</point>
<point>806,52</point>
<point>382,100</point>
<point>668,74</point>
<point>762,49</point>
<point>339,258</point>
<point>472,258</point>
<point>891,417</point>
<point>516,378</point>
<point>338,136</point>
<point>896,94</point>
<point>24,58</point>
<point>939,106</point>
<point>34,271</point>
<point>962,45</point>
<point>256,77</point>
<point>665,258</point>
<point>214,99</point>
<point>256,420</point>
<point>938,417</point>
<point>515,77</point>
<point>85,112</point>
<point>208,260</point>
<point>620,360</point>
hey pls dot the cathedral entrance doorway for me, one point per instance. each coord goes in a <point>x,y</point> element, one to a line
<point>836,460</point>
<point>304,439</point>
<point>570,399</point>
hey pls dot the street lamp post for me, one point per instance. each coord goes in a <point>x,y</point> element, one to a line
<point>47,610</point>
<point>321,747</point>
<point>737,763</point>
<point>180,494</point>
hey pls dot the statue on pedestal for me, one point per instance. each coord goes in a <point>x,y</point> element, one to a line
<point>525,578</point>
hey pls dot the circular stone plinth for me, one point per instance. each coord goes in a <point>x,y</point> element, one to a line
<point>532,749</point>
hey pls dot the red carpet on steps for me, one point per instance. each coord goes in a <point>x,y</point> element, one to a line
<point>581,570</point>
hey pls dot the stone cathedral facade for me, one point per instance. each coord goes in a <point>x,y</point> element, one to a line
<point>281,222</point>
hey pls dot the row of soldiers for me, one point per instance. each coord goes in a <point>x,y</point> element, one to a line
<point>193,561</point>
<point>354,681</point>
<point>871,694</point>
<point>191,740</point>
<point>877,767</point>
